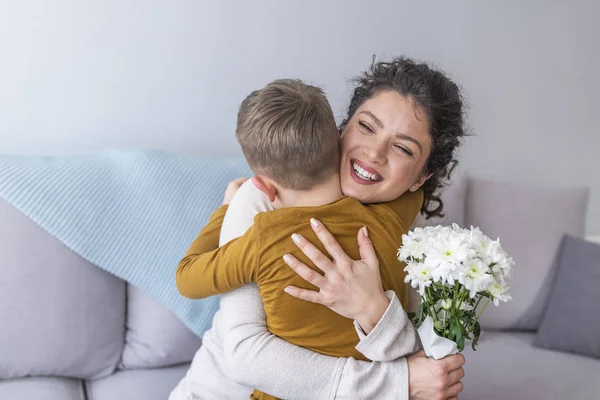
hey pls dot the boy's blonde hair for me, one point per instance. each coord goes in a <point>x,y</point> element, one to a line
<point>287,132</point>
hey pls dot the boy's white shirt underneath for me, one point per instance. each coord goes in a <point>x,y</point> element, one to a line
<point>239,354</point>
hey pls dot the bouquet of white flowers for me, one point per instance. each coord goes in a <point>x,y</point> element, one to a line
<point>454,269</point>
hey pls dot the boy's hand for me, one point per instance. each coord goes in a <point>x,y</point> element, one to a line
<point>232,189</point>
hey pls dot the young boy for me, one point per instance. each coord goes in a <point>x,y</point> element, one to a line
<point>289,138</point>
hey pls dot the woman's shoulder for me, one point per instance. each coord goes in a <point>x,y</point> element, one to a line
<point>404,209</point>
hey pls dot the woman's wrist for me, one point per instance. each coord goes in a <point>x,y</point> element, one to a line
<point>373,312</point>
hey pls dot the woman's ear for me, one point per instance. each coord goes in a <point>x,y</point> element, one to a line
<point>266,186</point>
<point>422,179</point>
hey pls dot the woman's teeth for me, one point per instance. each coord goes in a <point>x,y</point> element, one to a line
<point>364,174</point>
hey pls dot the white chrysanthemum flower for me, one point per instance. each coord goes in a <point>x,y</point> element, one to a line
<point>479,285</point>
<point>419,276</point>
<point>499,293</point>
<point>475,269</point>
<point>475,276</point>
<point>504,268</point>
<point>413,247</point>
<point>456,262</point>
<point>445,257</point>
<point>496,254</point>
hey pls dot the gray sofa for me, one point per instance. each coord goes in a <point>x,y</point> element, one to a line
<point>71,331</point>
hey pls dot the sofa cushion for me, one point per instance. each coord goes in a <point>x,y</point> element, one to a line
<point>155,337</point>
<point>571,321</point>
<point>530,223</point>
<point>507,367</point>
<point>42,388</point>
<point>137,384</point>
<point>65,317</point>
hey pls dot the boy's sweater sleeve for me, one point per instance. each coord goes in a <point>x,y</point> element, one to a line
<point>393,337</point>
<point>205,271</point>
<point>208,239</point>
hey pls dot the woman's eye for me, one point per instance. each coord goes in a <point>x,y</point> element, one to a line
<point>365,126</point>
<point>404,149</point>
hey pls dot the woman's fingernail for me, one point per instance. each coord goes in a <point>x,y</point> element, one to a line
<point>296,238</point>
<point>314,222</point>
<point>287,258</point>
<point>365,231</point>
<point>287,290</point>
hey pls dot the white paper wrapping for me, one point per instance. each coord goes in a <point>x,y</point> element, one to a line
<point>435,346</point>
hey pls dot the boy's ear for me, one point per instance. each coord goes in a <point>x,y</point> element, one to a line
<point>266,186</point>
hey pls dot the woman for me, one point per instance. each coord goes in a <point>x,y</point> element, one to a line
<point>404,123</point>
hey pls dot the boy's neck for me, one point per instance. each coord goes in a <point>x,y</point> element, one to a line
<point>319,195</point>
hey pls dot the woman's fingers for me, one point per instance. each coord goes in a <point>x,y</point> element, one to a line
<point>329,242</point>
<point>365,246</point>
<point>456,375</point>
<point>454,362</point>
<point>308,274</point>
<point>312,253</point>
<point>303,294</point>
<point>454,390</point>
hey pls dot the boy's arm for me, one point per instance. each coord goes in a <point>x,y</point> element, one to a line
<point>204,273</point>
<point>393,337</point>
<point>239,217</point>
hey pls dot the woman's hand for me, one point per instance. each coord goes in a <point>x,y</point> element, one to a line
<point>351,288</point>
<point>430,379</point>
<point>232,189</point>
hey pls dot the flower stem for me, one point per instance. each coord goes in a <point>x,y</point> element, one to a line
<point>462,295</point>
<point>455,295</point>
<point>484,306</point>
<point>430,306</point>
<point>477,304</point>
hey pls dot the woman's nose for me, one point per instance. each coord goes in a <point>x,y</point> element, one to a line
<point>376,154</point>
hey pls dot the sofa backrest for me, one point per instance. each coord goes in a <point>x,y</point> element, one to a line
<point>62,316</point>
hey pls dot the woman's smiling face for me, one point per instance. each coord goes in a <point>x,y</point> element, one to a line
<point>384,149</point>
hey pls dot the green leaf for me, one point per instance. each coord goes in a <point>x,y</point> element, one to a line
<point>460,343</point>
<point>420,315</point>
<point>457,333</point>
<point>476,333</point>
<point>456,330</point>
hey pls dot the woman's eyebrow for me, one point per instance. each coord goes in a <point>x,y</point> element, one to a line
<point>404,136</point>
<point>375,119</point>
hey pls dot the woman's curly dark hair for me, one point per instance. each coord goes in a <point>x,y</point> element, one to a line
<point>438,98</point>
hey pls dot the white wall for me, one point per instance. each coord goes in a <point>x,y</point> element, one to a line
<point>79,75</point>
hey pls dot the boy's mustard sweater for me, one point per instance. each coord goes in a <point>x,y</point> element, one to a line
<point>257,257</point>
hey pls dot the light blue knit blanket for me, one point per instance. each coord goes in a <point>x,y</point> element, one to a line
<point>131,213</point>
